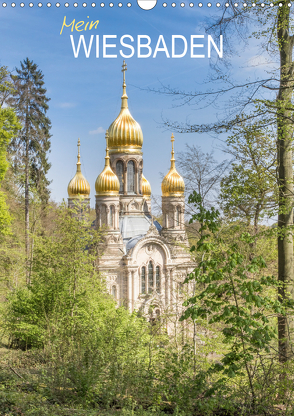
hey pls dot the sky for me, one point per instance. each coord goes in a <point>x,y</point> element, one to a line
<point>85,93</point>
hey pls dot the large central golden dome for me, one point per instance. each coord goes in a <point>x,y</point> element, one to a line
<point>125,134</point>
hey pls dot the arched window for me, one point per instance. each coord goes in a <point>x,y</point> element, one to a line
<point>143,280</point>
<point>119,174</point>
<point>157,279</point>
<point>113,291</point>
<point>131,177</point>
<point>150,277</point>
<point>111,216</point>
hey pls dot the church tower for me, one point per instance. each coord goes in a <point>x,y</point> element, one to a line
<point>173,202</point>
<point>125,150</point>
<point>107,204</point>
<point>142,265</point>
<point>79,188</point>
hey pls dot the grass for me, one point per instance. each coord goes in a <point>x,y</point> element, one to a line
<point>22,393</point>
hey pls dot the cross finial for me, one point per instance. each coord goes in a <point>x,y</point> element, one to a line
<point>106,137</point>
<point>79,157</point>
<point>172,140</point>
<point>107,150</point>
<point>79,143</point>
<point>124,68</point>
<point>173,152</point>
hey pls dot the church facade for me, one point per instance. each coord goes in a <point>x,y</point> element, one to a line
<point>144,263</point>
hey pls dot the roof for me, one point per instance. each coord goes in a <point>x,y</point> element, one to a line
<point>133,228</point>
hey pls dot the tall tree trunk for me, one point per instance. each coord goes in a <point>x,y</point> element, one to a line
<point>27,216</point>
<point>285,172</point>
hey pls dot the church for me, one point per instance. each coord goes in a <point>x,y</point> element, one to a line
<point>144,263</point>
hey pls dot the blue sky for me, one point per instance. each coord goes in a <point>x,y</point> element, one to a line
<point>85,93</point>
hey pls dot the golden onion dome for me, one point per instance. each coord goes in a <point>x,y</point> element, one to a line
<point>173,184</point>
<point>125,134</point>
<point>78,186</point>
<point>146,188</point>
<point>107,182</point>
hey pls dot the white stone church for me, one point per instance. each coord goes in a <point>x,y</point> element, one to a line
<point>144,262</point>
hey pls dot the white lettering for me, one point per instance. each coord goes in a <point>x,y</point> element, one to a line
<point>174,37</point>
<point>108,45</point>
<point>97,46</point>
<point>126,45</point>
<point>218,51</point>
<point>144,45</point>
<point>162,49</point>
<point>81,39</point>
<point>193,45</point>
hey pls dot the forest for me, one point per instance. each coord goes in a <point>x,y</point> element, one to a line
<point>67,348</point>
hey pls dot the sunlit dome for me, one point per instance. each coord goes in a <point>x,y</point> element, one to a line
<point>125,133</point>
<point>107,182</point>
<point>78,186</point>
<point>173,184</point>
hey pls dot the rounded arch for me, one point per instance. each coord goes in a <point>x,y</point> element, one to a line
<point>112,216</point>
<point>154,241</point>
<point>119,170</point>
<point>150,276</point>
<point>131,177</point>
<point>158,274</point>
<point>143,279</point>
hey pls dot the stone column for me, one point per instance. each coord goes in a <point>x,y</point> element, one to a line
<point>130,291</point>
<point>107,216</point>
<point>167,290</point>
<point>171,287</point>
<point>98,218</point>
<point>133,290</point>
<point>175,218</point>
<point>140,181</point>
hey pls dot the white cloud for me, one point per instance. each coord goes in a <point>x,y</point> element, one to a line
<point>66,105</point>
<point>99,130</point>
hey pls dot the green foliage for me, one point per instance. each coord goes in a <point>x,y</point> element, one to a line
<point>250,190</point>
<point>29,150</point>
<point>61,270</point>
<point>235,294</point>
<point>6,86</point>
<point>9,127</point>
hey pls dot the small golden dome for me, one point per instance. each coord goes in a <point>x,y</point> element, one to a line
<point>78,186</point>
<point>125,134</point>
<point>173,184</point>
<point>107,182</point>
<point>146,188</point>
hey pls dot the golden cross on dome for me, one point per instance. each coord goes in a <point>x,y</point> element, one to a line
<point>79,143</point>
<point>173,152</point>
<point>106,137</point>
<point>79,157</point>
<point>124,68</point>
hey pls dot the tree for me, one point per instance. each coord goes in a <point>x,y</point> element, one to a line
<point>235,293</point>
<point>249,190</point>
<point>6,86</point>
<point>30,147</point>
<point>273,27</point>
<point>9,126</point>
<point>63,276</point>
<point>201,172</point>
